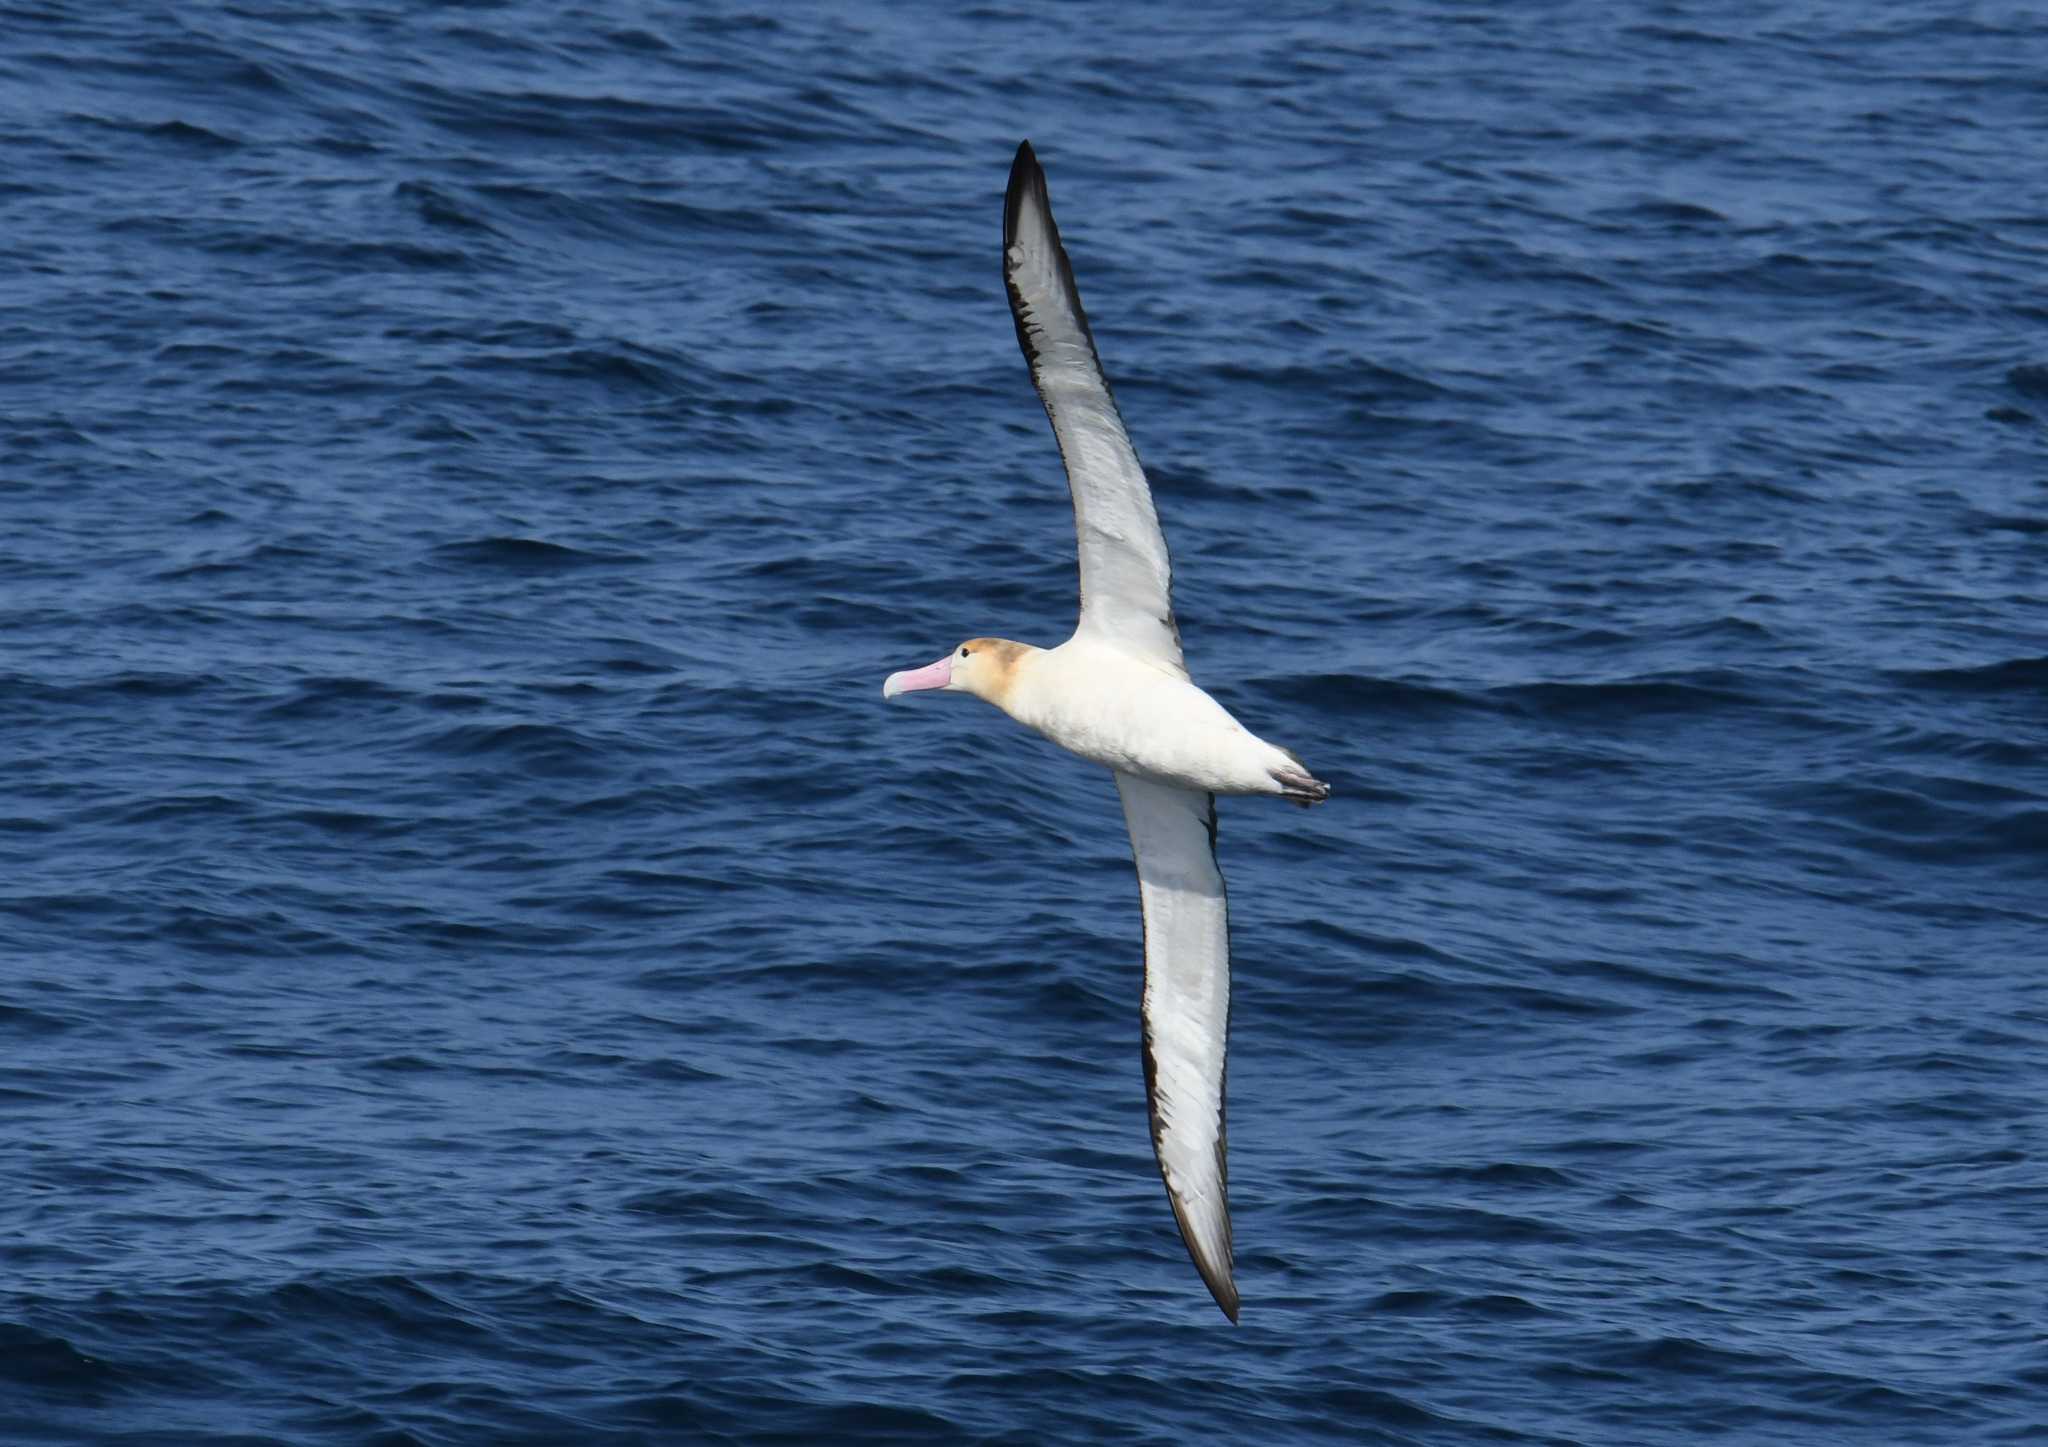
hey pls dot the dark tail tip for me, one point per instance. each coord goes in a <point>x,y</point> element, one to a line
<point>1300,788</point>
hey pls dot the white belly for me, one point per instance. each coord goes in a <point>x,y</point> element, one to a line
<point>1108,706</point>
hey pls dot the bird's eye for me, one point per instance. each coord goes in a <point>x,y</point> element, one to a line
<point>963,652</point>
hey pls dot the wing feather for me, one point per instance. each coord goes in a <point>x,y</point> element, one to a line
<point>1187,1013</point>
<point>1126,576</point>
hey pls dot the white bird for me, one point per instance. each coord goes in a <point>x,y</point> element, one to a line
<point>1118,693</point>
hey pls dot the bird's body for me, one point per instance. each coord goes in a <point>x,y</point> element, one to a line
<point>1128,712</point>
<point>1118,693</point>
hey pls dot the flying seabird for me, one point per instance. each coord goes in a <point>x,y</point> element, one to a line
<point>1118,693</point>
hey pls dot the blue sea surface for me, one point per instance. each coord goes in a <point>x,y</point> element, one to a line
<point>480,963</point>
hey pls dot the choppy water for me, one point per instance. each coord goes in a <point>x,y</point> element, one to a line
<point>479,963</point>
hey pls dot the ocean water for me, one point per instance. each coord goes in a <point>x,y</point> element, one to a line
<point>479,962</point>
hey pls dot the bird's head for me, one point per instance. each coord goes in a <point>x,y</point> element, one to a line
<point>984,667</point>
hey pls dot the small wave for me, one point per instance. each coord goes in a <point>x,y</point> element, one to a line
<point>184,133</point>
<point>1362,694</point>
<point>316,697</point>
<point>1672,213</point>
<point>182,806</point>
<point>1508,1173</point>
<point>246,244</point>
<point>538,750</point>
<point>22,1020</point>
<point>347,823</point>
<point>628,369</point>
<point>1686,1356</point>
<point>1354,381</point>
<point>114,687</point>
<point>1929,821</point>
<point>2027,676</point>
<point>438,207</point>
<point>1626,698</point>
<point>525,555</point>
<point>1637,977</point>
<point>48,1365</point>
<point>285,557</point>
<point>181,134</point>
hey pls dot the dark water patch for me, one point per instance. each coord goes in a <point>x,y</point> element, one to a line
<point>1705,692</point>
<point>640,40</point>
<point>2028,525</point>
<point>1384,946</point>
<point>112,689</point>
<point>327,697</point>
<point>261,558</point>
<point>1503,262</point>
<point>252,933</point>
<point>191,354</point>
<point>439,207</point>
<point>541,750</point>
<point>1509,1173</point>
<point>173,135</point>
<point>347,822</point>
<point>570,122</point>
<point>50,1366</point>
<point>2029,380</point>
<point>1654,981</point>
<point>525,555</point>
<point>674,1072</point>
<point>843,615</point>
<point>185,134</point>
<point>171,809</point>
<point>1192,483</point>
<point>625,370</point>
<point>1667,212</point>
<point>1355,380</point>
<point>1796,278</point>
<point>676,220</point>
<point>2026,677</point>
<point>519,555</point>
<point>73,908</point>
<point>1469,1223</point>
<point>23,1020</point>
<point>286,248</point>
<point>1909,825</point>
<point>488,331</point>
<point>1674,1354</point>
<point>402,1306</point>
<point>2001,752</point>
<point>1357,694</point>
<point>2022,835</point>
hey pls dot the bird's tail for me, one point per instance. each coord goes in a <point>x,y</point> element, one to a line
<point>1298,786</point>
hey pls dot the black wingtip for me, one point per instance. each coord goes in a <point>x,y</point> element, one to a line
<point>1219,1277</point>
<point>1027,179</point>
<point>1026,176</point>
<point>1225,1292</point>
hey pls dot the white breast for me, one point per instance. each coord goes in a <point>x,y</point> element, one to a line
<point>1133,715</point>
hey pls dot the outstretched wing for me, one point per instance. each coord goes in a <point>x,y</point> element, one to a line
<point>1187,1012</point>
<point>1126,577</point>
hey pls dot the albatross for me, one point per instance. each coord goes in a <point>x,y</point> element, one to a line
<point>1118,693</point>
